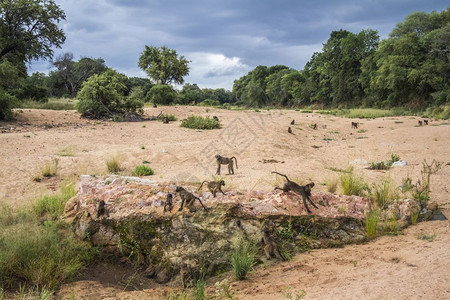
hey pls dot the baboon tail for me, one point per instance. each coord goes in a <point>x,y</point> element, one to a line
<point>235,161</point>
<point>282,175</point>
<point>201,185</point>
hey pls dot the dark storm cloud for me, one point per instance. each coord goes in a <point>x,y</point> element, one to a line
<point>223,39</point>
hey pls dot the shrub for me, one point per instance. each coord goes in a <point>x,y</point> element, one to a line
<point>113,165</point>
<point>243,258</point>
<point>169,117</point>
<point>162,94</point>
<point>7,103</point>
<point>197,122</point>
<point>142,170</point>
<point>209,102</point>
<point>103,96</point>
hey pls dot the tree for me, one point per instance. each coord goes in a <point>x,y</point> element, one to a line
<point>162,94</point>
<point>29,30</point>
<point>191,93</point>
<point>163,65</point>
<point>103,96</point>
<point>73,74</point>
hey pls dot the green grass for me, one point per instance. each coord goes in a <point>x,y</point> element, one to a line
<point>53,104</point>
<point>384,192</point>
<point>50,169</point>
<point>113,165</point>
<point>40,256</point>
<point>372,220</point>
<point>426,237</point>
<point>143,170</point>
<point>366,113</point>
<point>243,258</point>
<point>197,122</point>
<point>67,151</point>
<point>352,185</point>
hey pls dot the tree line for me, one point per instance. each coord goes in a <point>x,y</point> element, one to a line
<point>410,68</point>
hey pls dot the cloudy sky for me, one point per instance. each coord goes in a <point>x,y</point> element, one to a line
<point>223,39</point>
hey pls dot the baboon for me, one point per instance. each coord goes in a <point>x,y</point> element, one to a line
<point>214,186</point>
<point>154,105</point>
<point>355,125</point>
<point>293,122</point>
<point>188,275</point>
<point>289,130</point>
<point>188,198</point>
<point>304,190</point>
<point>313,126</point>
<point>168,205</point>
<point>270,248</point>
<point>225,161</point>
<point>166,120</point>
<point>420,123</point>
<point>425,122</point>
<point>216,118</point>
<point>101,210</point>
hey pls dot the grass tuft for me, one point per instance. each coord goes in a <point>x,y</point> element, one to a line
<point>50,169</point>
<point>352,185</point>
<point>113,165</point>
<point>243,258</point>
<point>372,220</point>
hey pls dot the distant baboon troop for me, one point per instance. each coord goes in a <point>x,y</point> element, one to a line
<point>355,125</point>
<point>225,161</point>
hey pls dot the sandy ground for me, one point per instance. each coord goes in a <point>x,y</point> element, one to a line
<point>400,267</point>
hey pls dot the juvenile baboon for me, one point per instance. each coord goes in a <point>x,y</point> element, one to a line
<point>101,210</point>
<point>420,123</point>
<point>270,248</point>
<point>188,275</point>
<point>425,122</point>
<point>225,161</point>
<point>216,118</point>
<point>166,120</point>
<point>304,190</point>
<point>289,130</point>
<point>355,125</point>
<point>188,198</point>
<point>214,186</point>
<point>168,205</point>
<point>293,122</point>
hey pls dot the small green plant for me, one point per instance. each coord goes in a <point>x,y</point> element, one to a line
<point>372,220</point>
<point>143,170</point>
<point>352,185</point>
<point>414,215</point>
<point>243,257</point>
<point>223,290</point>
<point>287,292</point>
<point>67,151</point>
<point>197,122</point>
<point>142,147</point>
<point>426,237</point>
<point>362,131</point>
<point>199,292</point>
<point>113,165</point>
<point>53,205</point>
<point>50,169</point>
<point>355,263</point>
<point>384,192</point>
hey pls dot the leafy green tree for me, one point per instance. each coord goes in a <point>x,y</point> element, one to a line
<point>277,95</point>
<point>163,65</point>
<point>162,94</point>
<point>29,28</point>
<point>191,93</point>
<point>103,96</point>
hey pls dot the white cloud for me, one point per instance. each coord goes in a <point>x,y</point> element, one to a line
<point>214,70</point>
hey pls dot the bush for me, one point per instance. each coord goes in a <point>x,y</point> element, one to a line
<point>197,122</point>
<point>7,103</point>
<point>209,102</point>
<point>169,117</point>
<point>142,170</point>
<point>103,96</point>
<point>243,258</point>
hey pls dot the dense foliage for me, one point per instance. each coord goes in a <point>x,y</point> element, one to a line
<point>411,67</point>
